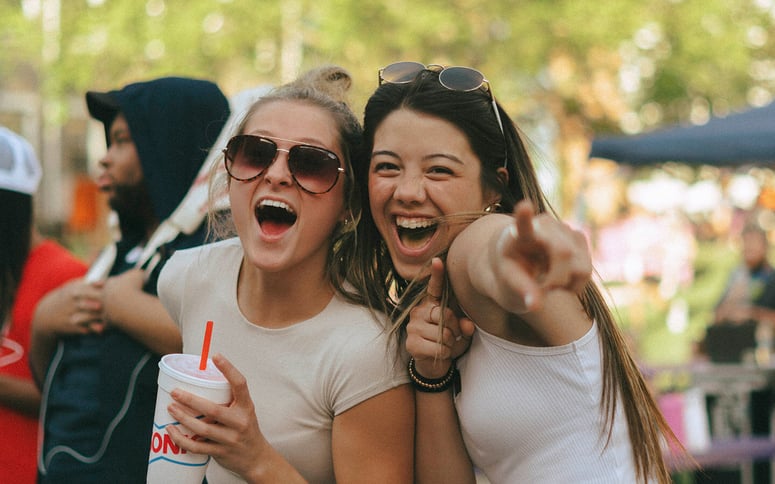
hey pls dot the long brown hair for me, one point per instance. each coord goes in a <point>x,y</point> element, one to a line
<point>472,113</point>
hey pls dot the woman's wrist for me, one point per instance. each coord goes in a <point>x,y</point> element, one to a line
<point>432,385</point>
<point>433,368</point>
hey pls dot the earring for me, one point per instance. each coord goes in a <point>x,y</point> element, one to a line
<point>346,226</point>
<point>349,221</point>
<point>493,208</point>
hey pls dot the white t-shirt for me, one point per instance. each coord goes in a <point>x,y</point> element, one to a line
<point>300,376</point>
<point>532,414</point>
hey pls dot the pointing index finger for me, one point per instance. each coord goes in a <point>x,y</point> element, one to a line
<point>436,281</point>
<point>524,215</point>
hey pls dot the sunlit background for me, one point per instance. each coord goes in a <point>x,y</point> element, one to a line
<point>664,235</point>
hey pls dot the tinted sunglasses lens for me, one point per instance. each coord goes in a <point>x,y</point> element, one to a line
<point>314,169</point>
<point>401,72</point>
<point>461,78</point>
<point>248,156</point>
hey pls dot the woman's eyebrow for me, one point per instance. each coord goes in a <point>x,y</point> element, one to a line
<point>424,158</point>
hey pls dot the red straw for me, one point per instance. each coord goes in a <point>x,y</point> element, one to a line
<point>206,346</point>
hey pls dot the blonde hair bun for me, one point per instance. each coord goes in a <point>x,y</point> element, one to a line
<point>331,80</point>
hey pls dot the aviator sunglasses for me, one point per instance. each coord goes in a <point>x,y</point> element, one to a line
<point>454,78</point>
<point>315,170</point>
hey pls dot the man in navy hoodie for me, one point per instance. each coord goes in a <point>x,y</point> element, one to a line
<point>96,345</point>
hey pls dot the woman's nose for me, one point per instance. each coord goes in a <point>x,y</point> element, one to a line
<point>410,189</point>
<point>278,172</point>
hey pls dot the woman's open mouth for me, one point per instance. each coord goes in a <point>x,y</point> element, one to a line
<point>274,217</point>
<point>414,233</point>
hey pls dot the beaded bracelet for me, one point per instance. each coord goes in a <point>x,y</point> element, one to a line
<point>431,385</point>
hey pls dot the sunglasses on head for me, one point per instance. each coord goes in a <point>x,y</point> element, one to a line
<point>454,78</point>
<point>316,170</point>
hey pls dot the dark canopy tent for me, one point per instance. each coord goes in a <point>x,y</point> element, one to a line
<point>746,137</point>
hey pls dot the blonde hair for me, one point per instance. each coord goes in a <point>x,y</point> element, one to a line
<point>324,87</point>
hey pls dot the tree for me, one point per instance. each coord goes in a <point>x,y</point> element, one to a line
<point>580,65</point>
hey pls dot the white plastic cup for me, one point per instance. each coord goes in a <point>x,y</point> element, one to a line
<point>167,462</point>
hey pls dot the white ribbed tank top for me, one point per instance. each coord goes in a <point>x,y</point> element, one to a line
<point>532,415</point>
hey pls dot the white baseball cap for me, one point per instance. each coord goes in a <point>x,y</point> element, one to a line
<point>19,167</point>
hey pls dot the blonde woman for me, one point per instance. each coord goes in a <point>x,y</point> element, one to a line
<point>317,394</point>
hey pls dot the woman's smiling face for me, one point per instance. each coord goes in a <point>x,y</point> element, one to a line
<point>280,225</point>
<point>422,167</point>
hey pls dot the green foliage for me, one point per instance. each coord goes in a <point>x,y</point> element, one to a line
<point>17,44</point>
<point>702,50</point>
<point>707,46</point>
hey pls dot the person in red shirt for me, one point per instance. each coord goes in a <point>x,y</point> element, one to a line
<point>30,266</point>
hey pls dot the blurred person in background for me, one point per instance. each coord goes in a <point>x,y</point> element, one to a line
<point>96,345</point>
<point>742,328</point>
<point>30,266</point>
<point>747,281</point>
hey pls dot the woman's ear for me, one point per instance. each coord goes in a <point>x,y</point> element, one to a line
<point>494,197</point>
<point>503,175</point>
